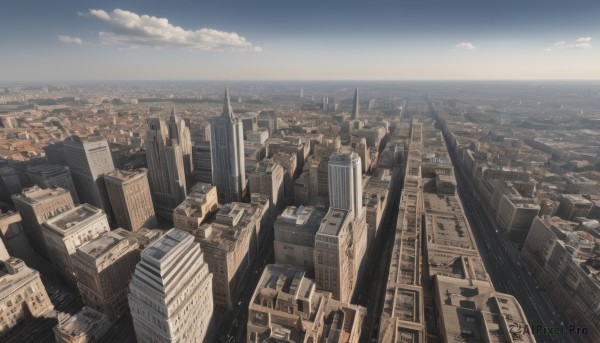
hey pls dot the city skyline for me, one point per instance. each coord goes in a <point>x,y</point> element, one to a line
<point>431,40</point>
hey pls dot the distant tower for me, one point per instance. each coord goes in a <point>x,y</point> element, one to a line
<point>227,151</point>
<point>345,182</point>
<point>166,167</point>
<point>302,92</point>
<point>179,131</point>
<point>170,294</point>
<point>355,106</point>
<point>89,160</point>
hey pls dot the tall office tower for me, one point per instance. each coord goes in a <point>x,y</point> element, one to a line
<point>89,159</point>
<point>334,254</point>
<point>202,162</point>
<point>48,175</point>
<point>130,198</point>
<point>179,131</point>
<point>55,153</point>
<point>345,182</point>
<point>36,205</point>
<point>170,295</point>
<point>355,106</point>
<point>22,294</point>
<point>166,167</point>
<point>68,231</point>
<point>227,151</point>
<point>103,268</point>
<point>267,179</point>
<point>230,244</point>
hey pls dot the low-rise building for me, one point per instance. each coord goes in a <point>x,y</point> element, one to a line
<point>286,306</point>
<point>200,202</point>
<point>86,326</point>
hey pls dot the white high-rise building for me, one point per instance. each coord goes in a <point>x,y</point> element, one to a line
<point>345,182</point>
<point>227,151</point>
<point>170,295</point>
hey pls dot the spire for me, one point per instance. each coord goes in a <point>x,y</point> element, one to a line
<point>355,106</point>
<point>227,111</point>
<point>173,111</point>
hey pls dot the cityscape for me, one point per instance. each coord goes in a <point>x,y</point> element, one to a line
<point>166,180</point>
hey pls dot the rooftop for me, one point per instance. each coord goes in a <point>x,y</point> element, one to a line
<point>334,221</point>
<point>121,176</point>
<point>85,323</point>
<point>35,195</point>
<point>165,245</point>
<point>73,218</point>
<point>305,216</point>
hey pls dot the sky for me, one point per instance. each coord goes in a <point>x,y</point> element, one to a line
<point>299,40</point>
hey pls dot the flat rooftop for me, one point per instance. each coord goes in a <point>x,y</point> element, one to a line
<point>165,244</point>
<point>333,222</point>
<point>73,217</point>
<point>35,194</point>
<point>125,175</point>
<point>447,226</point>
<point>304,216</point>
<point>85,322</point>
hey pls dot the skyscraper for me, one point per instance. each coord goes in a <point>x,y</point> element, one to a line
<point>89,159</point>
<point>355,106</point>
<point>181,132</point>
<point>48,175</point>
<point>170,295</point>
<point>166,166</point>
<point>345,182</point>
<point>227,150</point>
<point>130,198</point>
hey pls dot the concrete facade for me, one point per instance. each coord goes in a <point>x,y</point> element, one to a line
<point>200,202</point>
<point>103,268</point>
<point>70,230</point>
<point>170,295</point>
<point>36,205</point>
<point>22,294</point>
<point>130,198</point>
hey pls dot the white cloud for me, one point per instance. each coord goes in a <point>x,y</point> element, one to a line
<point>132,30</point>
<point>464,46</point>
<point>70,40</point>
<point>579,43</point>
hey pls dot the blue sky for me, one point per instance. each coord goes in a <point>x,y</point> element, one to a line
<point>274,40</point>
